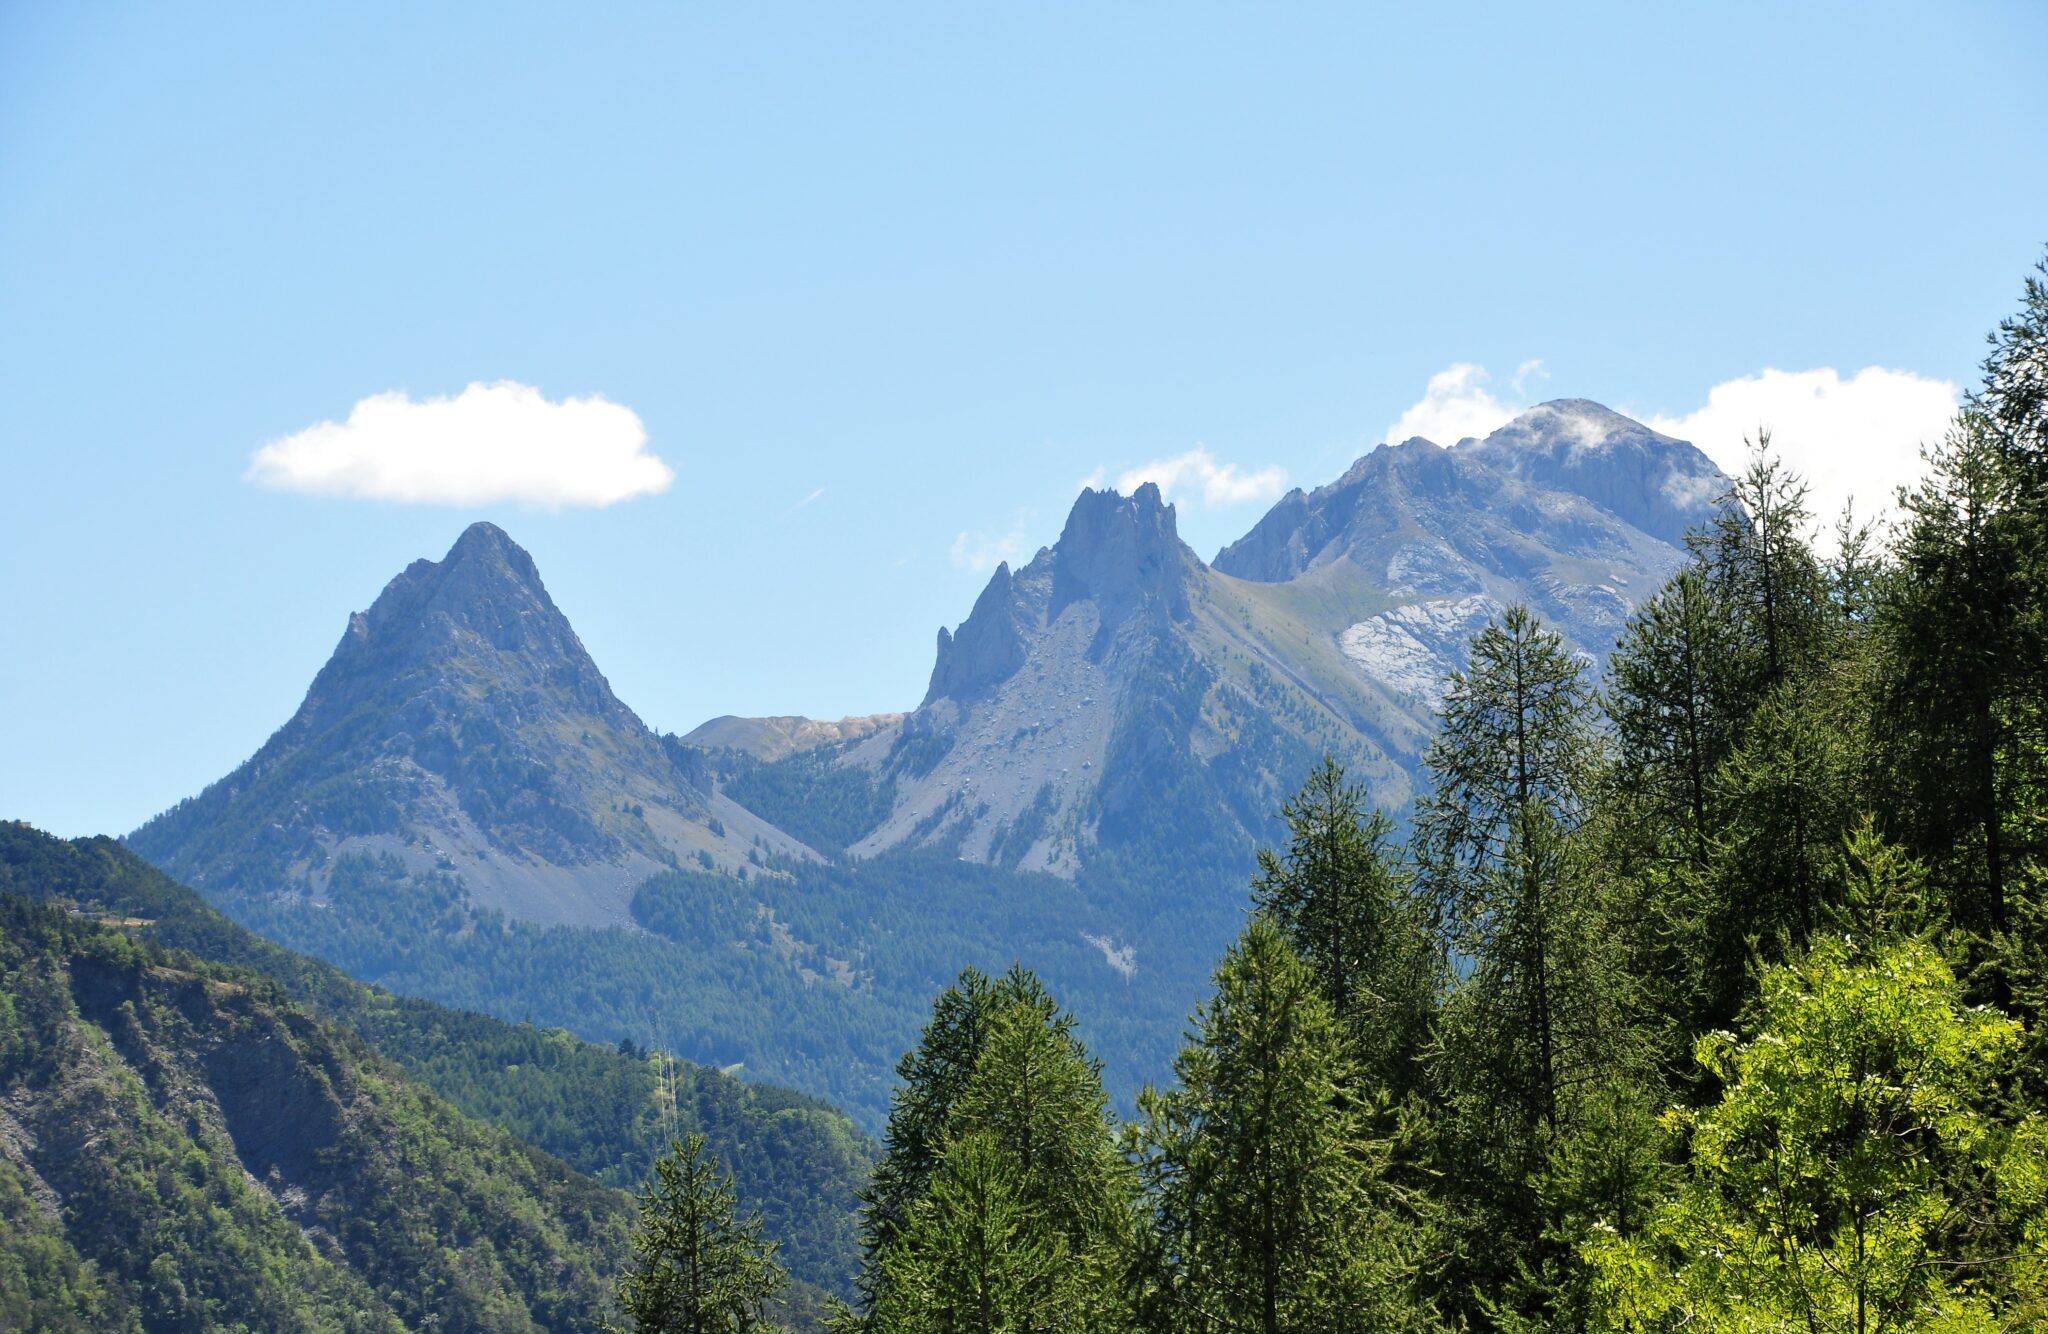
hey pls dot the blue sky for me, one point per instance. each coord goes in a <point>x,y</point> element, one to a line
<point>881,286</point>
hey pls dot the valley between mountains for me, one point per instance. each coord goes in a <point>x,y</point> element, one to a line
<point>461,810</point>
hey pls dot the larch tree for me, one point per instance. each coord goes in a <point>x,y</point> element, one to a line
<point>1339,894</point>
<point>698,1267</point>
<point>1271,1209</point>
<point>1544,1008</point>
<point>1001,1138</point>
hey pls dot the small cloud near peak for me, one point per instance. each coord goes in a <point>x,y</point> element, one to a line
<point>1197,476</point>
<point>1457,404</point>
<point>494,442</point>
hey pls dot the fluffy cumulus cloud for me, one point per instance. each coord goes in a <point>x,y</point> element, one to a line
<point>1196,475</point>
<point>490,443</point>
<point>1851,436</point>
<point>1457,403</point>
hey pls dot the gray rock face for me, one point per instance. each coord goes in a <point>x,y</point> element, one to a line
<point>1125,556</point>
<point>461,727</point>
<point>1663,486</point>
<point>988,649</point>
<point>1116,666</point>
<point>1571,508</point>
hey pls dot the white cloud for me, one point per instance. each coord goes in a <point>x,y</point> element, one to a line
<point>984,549</point>
<point>492,442</point>
<point>1457,404</point>
<point>807,500</point>
<point>1529,371</point>
<point>1857,436</point>
<point>1197,473</point>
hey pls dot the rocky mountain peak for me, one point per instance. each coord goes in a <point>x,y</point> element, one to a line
<point>987,649</point>
<point>1659,484</point>
<point>486,588</point>
<point>1122,552</point>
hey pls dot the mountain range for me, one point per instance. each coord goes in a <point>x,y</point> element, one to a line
<point>461,808</point>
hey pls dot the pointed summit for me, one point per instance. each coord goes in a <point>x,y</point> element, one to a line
<point>480,614</point>
<point>460,726</point>
<point>1118,555</point>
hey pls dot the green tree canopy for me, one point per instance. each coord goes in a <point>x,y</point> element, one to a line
<point>697,1267</point>
<point>1855,1175</point>
<point>1339,894</point>
<point>1270,1207</point>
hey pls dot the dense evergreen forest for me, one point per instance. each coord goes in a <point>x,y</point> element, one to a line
<point>1709,996</point>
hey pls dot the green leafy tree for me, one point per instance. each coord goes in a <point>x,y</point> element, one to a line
<point>1271,1209</point>
<point>697,1266</point>
<point>1854,1175</point>
<point>1338,894</point>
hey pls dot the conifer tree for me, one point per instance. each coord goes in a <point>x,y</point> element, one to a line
<point>1790,770</point>
<point>1271,1209</point>
<point>1546,1009</point>
<point>974,1256</point>
<point>1338,894</point>
<point>1669,694</point>
<point>1513,767</point>
<point>1758,556</point>
<point>934,1075</point>
<point>1000,1079</point>
<point>697,1266</point>
<point>1956,647</point>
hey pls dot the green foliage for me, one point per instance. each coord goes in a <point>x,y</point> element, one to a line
<point>1000,1202</point>
<point>932,1078</point>
<point>698,1267</point>
<point>1338,893</point>
<point>1670,698</point>
<point>604,1112</point>
<point>1269,1204</point>
<point>1546,1008</point>
<point>809,795</point>
<point>1961,710</point>
<point>1855,1142</point>
<point>224,1160</point>
<point>974,1256</point>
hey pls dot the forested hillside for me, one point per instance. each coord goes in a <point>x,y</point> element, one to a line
<point>1709,996</point>
<point>186,1149</point>
<point>604,1111</point>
